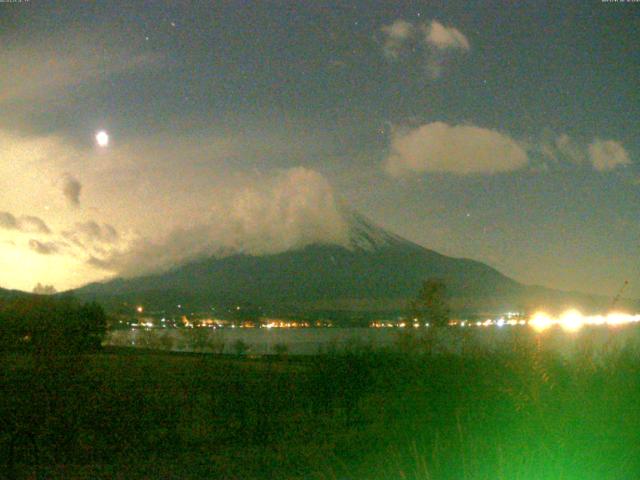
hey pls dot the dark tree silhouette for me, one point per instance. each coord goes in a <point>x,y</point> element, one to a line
<point>431,305</point>
<point>43,324</point>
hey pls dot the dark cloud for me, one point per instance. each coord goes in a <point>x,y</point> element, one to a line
<point>8,221</point>
<point>43,248</point>
<point>101,264</point>
<point>27,223</point>
<point>33,225</point>
<point>71,189</point>
<point>100,233</point>
<point>88,234</point>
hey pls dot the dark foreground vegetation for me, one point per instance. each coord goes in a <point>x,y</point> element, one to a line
<point>43,325</point>
<point>522,414</point>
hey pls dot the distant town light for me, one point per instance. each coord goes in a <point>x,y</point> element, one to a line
<point>571,321</point>
<point>139,309</point>
<point>540,322</point>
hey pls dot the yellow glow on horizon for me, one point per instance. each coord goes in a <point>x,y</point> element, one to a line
<point>541,322</point>
<point>616,318</point>
<point>571,321</point>
<point>22,268</point>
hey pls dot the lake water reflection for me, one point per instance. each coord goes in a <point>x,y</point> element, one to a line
<point>310,341</point>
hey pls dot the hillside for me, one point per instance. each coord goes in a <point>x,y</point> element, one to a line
<point>377,272</point>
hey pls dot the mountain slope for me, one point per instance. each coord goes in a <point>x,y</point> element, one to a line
<point>9,294</point>
<point>377,271</point>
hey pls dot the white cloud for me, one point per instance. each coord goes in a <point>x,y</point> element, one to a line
<point>600,155</point>
<point>569,149</point>
<point>467,149</point>
<point>396,36</point>
<point>441,37</point>
<point>131,185</point>
<point>443,42</point>
<point>434,43</point>
<point>269,215</point>
<point>462,149</point>
<point>607,154</point>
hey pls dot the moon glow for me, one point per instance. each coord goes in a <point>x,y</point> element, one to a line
<point>102,138</point>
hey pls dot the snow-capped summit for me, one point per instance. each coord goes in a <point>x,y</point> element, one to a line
<point>365,235</point>
<point>375,270</point>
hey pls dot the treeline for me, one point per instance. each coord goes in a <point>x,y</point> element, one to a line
<point>45,324</point>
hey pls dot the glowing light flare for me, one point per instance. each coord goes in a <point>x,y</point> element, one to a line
<point>616,318</point>
<point>102,138</point>
<point>571,321</point>
<point>541,322</point>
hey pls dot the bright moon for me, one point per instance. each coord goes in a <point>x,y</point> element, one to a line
<point>102,138</point>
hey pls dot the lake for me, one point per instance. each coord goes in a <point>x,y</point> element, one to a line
<point>310,341</point>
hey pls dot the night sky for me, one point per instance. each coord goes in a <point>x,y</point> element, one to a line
<point>506,132</point>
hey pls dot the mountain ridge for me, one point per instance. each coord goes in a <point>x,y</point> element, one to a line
<point>378,271</point>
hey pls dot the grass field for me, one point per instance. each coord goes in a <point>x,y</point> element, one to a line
<point>522,414</point>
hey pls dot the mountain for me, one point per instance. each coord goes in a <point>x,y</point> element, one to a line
<point>9,294</point>
<point>376,272</point>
